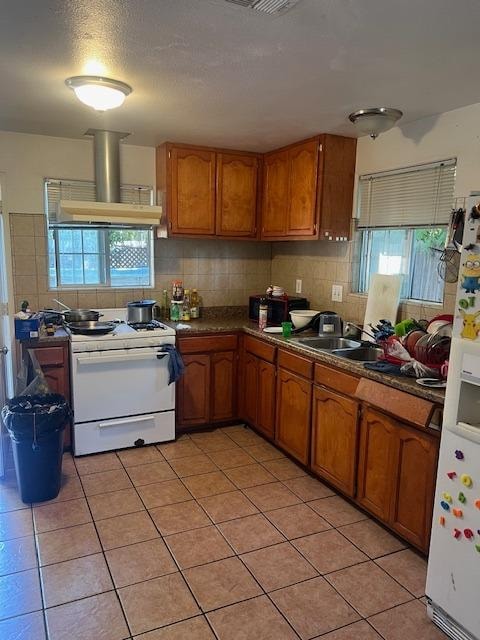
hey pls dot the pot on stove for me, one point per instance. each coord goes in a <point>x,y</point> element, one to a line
<point>140,311</point>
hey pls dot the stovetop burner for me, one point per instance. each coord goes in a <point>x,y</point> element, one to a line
<point>147,326</point>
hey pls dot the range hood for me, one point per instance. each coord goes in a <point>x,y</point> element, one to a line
<point>107,210</point>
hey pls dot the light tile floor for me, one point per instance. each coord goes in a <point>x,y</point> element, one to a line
<point>217,535</point>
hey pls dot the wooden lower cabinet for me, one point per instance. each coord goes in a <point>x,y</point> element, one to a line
<point>412,500</point>
<point>207,391</point>
<point>193,391</point>
<point>396,475</point>
<point>292,428</point>
<point>223,370</point>
<point>334,439</point>
<point>259,394</point>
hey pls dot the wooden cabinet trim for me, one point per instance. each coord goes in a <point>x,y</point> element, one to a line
<point>297,364</point>
<point>206,344</point>
<point>260,348</point>
<point>404,406</point>
<point>335,379</point>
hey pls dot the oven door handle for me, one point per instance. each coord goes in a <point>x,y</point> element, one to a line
<point>124,358</point>
<point>123,421</point>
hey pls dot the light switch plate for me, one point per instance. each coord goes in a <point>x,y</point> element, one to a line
<point>298,286</point>
<point>337,293</point>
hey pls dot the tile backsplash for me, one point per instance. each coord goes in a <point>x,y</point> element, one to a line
<point>224,272</point>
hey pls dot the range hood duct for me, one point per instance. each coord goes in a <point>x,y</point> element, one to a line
<point>108,210</point>
<point>106,150</point>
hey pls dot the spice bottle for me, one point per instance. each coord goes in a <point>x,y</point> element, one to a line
<point>262,314</point>
<point>165,305</point>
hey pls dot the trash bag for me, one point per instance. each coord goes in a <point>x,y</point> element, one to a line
<point>36,425</point>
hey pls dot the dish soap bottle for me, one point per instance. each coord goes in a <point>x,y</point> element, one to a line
<point>186,306</point>
<point>194,305</point>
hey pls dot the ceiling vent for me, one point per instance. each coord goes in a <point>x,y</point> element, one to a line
<point>273,7</point>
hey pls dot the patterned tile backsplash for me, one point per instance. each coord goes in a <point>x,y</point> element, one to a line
<point>224,272</point>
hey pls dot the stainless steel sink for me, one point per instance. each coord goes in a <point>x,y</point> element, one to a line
<point>328,344</point>
<point>361,354</point>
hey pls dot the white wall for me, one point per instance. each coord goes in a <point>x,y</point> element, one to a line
<point>27,159</point>
<point>451,134</point>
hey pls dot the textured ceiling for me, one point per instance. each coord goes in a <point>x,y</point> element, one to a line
<point>206,71</point>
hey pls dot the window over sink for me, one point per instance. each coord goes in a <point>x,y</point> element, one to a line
<point>91,256</point>
<point>402,221</point>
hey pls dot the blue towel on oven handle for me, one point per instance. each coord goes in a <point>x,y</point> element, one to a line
<point>175,363</point>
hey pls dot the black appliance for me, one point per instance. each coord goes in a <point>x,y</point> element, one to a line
<point>278,308</point>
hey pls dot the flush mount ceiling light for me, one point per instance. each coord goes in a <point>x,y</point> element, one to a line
<point>375,120</point>
<point>99,93</point>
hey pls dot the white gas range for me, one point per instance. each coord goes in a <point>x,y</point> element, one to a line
<point>120,387</point>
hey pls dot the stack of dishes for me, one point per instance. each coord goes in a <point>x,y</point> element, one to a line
<point>278,291</point>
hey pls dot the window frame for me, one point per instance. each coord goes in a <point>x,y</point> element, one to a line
<point>105,259</point>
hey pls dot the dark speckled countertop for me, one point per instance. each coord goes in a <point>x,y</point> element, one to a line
<point>225,324</point>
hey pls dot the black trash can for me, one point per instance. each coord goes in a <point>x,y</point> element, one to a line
<point>36,425</point>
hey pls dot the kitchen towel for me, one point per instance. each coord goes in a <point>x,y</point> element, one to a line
<point>175,363</point>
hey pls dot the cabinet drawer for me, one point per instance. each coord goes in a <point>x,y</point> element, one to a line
<point>260,349</point>
<point>338,380</point>
<point>295,363</point>
<point>206,344</point>
<point>50,356</point>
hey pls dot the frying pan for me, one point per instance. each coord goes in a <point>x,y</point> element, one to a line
<point>91,328</point>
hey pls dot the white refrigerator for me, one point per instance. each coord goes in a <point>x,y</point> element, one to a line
<point>453,578</point>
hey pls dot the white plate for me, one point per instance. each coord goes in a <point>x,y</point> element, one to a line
<point>433,383</point>
<point>272,330</point>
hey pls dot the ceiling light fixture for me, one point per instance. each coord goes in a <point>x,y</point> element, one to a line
<point>375,120</point>
<point>99,93</point>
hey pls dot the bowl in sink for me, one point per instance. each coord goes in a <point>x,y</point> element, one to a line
<point>360,354</point>
<point>328,344</point>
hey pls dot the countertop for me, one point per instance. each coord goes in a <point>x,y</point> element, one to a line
<point>227,325</point>
<point>226,322</point>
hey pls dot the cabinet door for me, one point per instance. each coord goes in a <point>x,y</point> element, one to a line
<point>250,388</point>
<point>192,205</point>
<point>236,195</point>
<point>275,194</point>
<point>223,385</point>
<point>413,494</point>
<point>193,390</point>
<point>334,438</point>
<point>303,167</point>
<point>378,448</point>
<point>292,429</point>
<point>266,398</point>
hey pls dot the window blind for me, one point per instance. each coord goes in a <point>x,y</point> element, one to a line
<point>56,190</point>
<point>418,196</point>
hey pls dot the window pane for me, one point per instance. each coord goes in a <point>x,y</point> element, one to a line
<point>414,253</point>
<point>52,263</point>
<point>130,257</point>
<point>90,241</point>
<point>92,268</point>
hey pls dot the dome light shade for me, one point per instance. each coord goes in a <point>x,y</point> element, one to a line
<point>99,93</point>
<point>375,120</point>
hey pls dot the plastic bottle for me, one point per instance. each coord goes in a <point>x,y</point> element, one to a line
<point>175,311</point>
<point>194,305</point>
<point>165,305</point>
<point>262,314</point>
<point>186,306</point>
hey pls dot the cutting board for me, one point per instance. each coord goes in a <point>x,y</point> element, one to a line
<point>383,299</point>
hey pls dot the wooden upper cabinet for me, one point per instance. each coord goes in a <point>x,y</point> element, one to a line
<point>275,194</point>
<point>292,428</point>
<point>334,439</point>
<point>236,205</point>
<point>192,197</point>
<point>413,494</point>
<point>377,460</point>
<point>303,167</point>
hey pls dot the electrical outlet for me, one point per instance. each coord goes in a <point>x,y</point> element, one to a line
<point>337,293</point>
<point>298,286</point>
